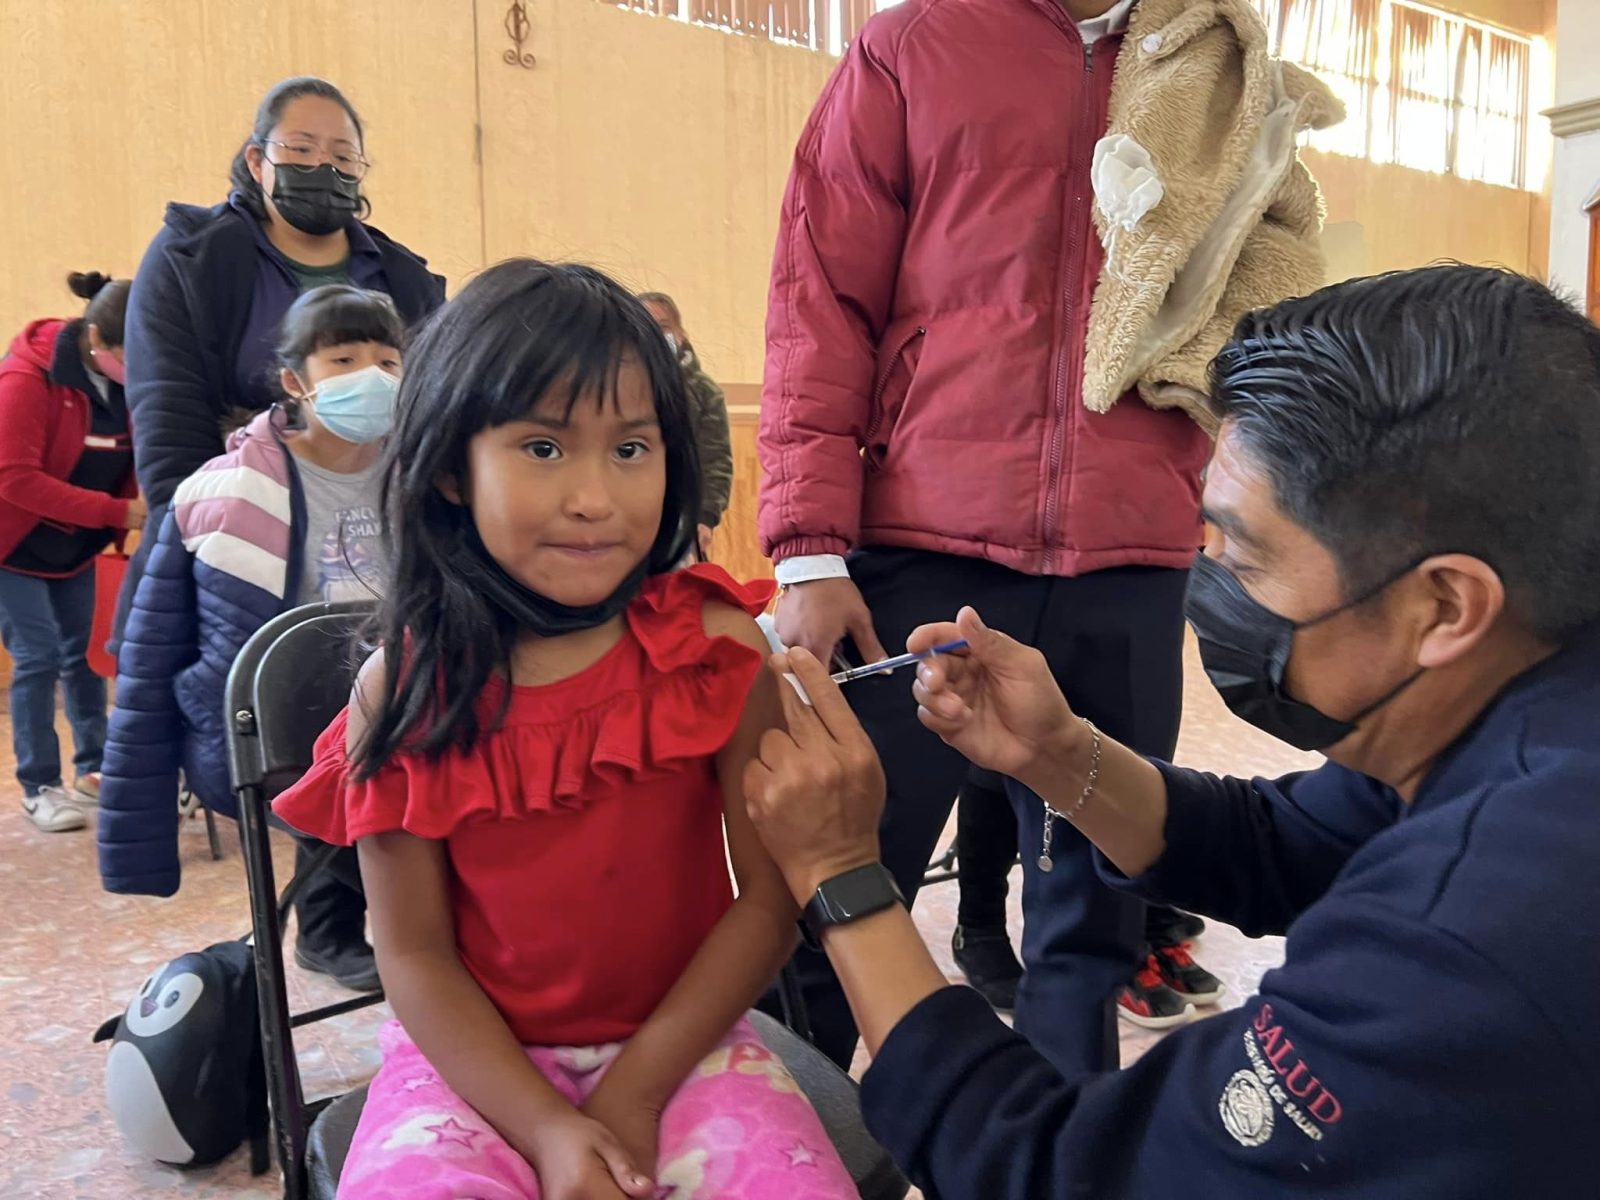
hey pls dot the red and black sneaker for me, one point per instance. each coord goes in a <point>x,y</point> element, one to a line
<point>1189,979</point>
<point>1149,1002</point>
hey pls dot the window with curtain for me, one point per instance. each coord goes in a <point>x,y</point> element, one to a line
<point>1424,88</point>
<point>826,25</point>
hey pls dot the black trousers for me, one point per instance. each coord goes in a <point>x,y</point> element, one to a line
<point>331,906</point>
<point>986,849</point>
<point>1114,640</point>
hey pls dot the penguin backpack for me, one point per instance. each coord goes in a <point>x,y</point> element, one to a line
<point>185,1079</point>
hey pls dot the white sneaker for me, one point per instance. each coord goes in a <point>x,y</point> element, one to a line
<point>52,812</point>
<point>86,789</point>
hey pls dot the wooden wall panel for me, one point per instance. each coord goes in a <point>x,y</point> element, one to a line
<point>653,149</point>
<point>650,147</point>
<point>736,545</point>
<point>1411,218</point>
<point>123,105</point>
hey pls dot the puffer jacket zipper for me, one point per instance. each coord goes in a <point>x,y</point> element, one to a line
<point>1069,362</point>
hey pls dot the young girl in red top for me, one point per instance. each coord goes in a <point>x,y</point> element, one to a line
<point>537,772</point>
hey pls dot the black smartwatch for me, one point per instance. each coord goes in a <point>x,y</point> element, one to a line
<point>849,897</point>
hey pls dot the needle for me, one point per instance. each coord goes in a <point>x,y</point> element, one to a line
<point>894,664</point>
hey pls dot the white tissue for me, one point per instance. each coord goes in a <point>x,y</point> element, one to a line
<point>1125,182</point>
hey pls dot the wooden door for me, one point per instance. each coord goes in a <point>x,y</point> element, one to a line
<point>1594,259</point>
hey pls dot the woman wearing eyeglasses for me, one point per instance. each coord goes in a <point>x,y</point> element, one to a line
<point>216,283</point>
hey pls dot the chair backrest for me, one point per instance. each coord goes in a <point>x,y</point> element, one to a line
<point>288,683</point>
<point>303,681</point>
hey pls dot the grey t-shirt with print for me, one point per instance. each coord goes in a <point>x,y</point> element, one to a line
<point>342,555</point>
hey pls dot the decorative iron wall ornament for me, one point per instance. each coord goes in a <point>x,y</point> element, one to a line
<point>519,29</point>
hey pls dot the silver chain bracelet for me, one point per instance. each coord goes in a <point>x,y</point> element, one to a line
<point>1052,815</point>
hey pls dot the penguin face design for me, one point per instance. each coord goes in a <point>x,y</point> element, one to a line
<point>177,1076</point>
<point>165,999</point>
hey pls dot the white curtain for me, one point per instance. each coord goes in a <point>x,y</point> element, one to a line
<point>1422,88</point>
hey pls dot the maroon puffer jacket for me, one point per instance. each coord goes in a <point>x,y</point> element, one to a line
<point>930,291</point>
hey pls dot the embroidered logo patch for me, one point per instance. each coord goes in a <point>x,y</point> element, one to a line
<point>1246,1109</point>
<point>1278,1079</point>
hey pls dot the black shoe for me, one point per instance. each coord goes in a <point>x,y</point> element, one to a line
<point>990,965</point>
<point>354,967</point>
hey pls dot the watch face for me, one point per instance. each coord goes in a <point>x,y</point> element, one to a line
<point>857,894</point>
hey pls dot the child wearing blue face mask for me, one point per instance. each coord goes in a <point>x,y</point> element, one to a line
<point>339,373</point>
<point>288,516</point>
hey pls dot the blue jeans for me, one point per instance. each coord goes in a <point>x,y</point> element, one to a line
<point>45,624</point>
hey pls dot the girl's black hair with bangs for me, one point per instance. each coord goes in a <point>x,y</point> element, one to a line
<point>337,315</point>
<point>521,333</point>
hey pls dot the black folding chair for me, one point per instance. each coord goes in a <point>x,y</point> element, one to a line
<point>943,869</point>
<point>189,807</point>
<point>288,683</point>
<point>286,686</point>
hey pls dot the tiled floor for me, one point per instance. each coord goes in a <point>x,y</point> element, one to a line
<point>71,956</point>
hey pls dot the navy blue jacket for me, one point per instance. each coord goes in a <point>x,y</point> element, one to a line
<point>1429,1034</point>
<point>226,561</point>
<point>187,315</point>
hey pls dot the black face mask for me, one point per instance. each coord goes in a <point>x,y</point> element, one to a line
<point>1245,647</point>
<point>316,202</point>
<point>529,609</point>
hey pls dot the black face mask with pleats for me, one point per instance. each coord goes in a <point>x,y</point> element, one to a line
<point>1245,649</point>
<point>318,201</point>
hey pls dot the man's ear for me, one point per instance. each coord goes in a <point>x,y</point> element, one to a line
<point>1468,599</point>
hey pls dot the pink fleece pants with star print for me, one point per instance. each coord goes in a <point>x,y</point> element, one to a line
<point>738,1129</point>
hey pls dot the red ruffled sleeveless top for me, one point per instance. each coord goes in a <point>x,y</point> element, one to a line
<point>584,832</point>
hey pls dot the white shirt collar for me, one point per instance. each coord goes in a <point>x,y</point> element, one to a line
<point>1114,21</point>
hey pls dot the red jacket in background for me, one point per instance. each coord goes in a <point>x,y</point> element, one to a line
<point>935,265</point>
<point>42,429</point>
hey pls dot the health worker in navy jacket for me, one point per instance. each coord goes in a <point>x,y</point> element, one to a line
<point>216,283</point>
<point>1402,568</point>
